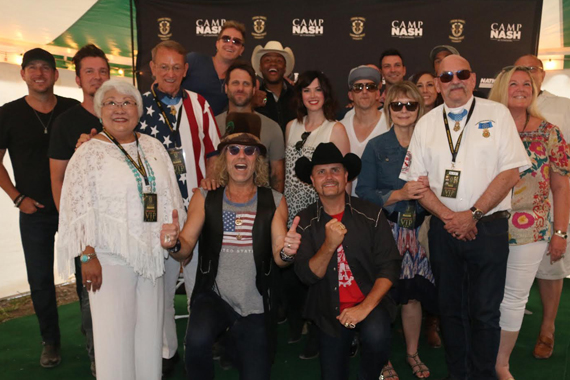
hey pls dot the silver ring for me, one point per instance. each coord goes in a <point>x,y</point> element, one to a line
<point>88,281</point>
<point>288,245</point>
<point>167,238</point>
<point>351,325</point>
<point>346,324</point>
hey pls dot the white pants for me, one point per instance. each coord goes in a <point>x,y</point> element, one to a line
<point>127,325</point>
<point>172,267</point>
<point>522,266</point>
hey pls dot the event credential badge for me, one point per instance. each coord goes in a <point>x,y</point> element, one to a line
<point>177,158</point>
<point>450,183</point>
<point>150,207</point>
<point>407,219</point>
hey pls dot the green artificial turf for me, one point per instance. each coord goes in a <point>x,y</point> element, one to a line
<point>20,349</point>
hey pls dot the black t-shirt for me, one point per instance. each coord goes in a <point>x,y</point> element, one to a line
<point>67,129</point>
<point>22,134</point>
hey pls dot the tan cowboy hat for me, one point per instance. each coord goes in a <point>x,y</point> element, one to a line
<point>273,47</point>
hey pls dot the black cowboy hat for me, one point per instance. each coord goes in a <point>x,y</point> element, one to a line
<point>327,153</point>
<point>243,128</point>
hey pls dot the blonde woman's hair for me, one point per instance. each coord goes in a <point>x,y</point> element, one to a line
<point>500,91</point>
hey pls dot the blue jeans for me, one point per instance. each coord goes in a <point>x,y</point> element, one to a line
<point>470,278</point>
<point>210,316</point>
<point>37,232</point>
<point>375,348</point>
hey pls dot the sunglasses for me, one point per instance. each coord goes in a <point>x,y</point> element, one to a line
<point>247,150</point>
<point>358,87</point>
<point>447,76</point>
<point>303,140</point>
<point>234,40</point>
<point>398,106</point>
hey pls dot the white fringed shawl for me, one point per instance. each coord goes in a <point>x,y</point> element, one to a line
<point>101,206</point>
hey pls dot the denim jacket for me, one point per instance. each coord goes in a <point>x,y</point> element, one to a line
<point>382,162</point>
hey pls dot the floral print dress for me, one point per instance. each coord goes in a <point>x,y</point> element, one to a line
<point>530,215</point>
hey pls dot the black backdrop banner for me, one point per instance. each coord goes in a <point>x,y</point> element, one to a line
<point>335,36</point>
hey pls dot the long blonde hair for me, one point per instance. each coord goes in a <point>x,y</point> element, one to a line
<point>500,91</point>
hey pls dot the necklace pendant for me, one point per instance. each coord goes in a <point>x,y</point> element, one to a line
<point>173,110</point>
<point>457,127</point>
<point>238,222</point>
<point>45,131</point>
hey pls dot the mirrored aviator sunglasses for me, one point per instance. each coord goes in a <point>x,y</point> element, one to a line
<point>398,106</point>
<point>447,76</point>
<point>234,40</point>
<point>247,150</point>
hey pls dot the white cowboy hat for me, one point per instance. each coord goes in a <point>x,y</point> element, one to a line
<point>273,47</point>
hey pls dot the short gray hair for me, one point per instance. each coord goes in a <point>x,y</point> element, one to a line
<point>121,87</point>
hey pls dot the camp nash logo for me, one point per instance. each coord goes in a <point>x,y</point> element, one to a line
<point>506,32</point>
<point>259,27</point>
<point>457,28</point>
<point>209,28</point>
<point>164,28</point>
<point>308,28</point>
<point>407,29</point>
<point>486,82</point>
<point>357,28</point>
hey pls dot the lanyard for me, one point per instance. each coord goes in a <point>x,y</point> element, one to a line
<point>140,167</point>
<point>175,131</point>
<point>455,150</point>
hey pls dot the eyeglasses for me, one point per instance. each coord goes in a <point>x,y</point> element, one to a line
<point>358,87</point>
<point>303,140</point>
<point>447,76</point>
<point>126,103</point>
<point>234,40</point>
<point>398,106</point>
<point>175,69</point>
<point>247,150</point>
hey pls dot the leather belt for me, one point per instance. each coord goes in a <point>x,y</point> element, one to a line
<point>495,216</point>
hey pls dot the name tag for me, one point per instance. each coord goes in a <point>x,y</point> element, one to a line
<point>450,183</point>
<point>407,219</point>
<point>150,207</point>
<point>177,158</point>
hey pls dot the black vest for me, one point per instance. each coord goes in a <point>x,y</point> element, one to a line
<point>211,244</point>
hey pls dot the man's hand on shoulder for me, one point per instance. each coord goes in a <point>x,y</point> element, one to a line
<point>85,137</point>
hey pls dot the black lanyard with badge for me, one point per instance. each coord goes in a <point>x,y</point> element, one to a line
<point>149,198</point>
<point>451,178</point>
<point>177,153</point>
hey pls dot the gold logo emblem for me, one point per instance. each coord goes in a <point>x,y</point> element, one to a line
<point>457,28</point>
<point>357,28</point>
<point>258,27</point>
<point>164,28</point>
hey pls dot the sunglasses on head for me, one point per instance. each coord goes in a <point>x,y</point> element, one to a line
<point>303,140</point>
<point>247,150</point>
<point>447,76</point>
<point>358,87</point>
<point>398,106</point>
<point>234,40</point>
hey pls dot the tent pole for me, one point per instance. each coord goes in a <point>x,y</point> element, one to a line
<point>134,71</point>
